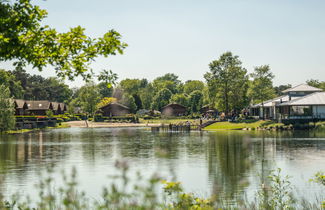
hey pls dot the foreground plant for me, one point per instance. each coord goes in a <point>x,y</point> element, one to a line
<point>123,194</point>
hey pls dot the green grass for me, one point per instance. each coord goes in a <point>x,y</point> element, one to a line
<point>252,124</point>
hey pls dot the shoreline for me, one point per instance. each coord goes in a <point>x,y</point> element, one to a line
<point>83,124</point>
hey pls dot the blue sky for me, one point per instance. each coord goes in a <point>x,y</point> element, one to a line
<point>183,36</point>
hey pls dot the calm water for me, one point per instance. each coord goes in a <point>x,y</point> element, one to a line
<point>231,164</point>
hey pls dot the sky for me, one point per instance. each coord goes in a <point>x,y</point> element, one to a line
<point>184,36</point>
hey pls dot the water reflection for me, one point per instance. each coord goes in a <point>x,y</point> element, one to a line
<point>229,164</point>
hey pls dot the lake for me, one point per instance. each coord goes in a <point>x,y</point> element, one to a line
<point>231,164</point>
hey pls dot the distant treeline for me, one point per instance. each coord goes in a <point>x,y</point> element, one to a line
<point>228,87</point>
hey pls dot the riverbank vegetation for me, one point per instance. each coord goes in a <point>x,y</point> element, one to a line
<point>155,193</point>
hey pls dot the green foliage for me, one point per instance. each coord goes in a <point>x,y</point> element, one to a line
<point>161,99</point>
<point>261,87</point>
<point>104,91</point>
<point>195,101</point>
<point>316,83</point>
<point>278,90</point>
<point>228,83</point>
<point>49,113</point>
<point>129,101</point>
<point>193,85</point>
<point>180,98</point>
<point>7,110</point>
<point>9,80</point>
<point>278,195</point>
<point>88,97</point>
<point>168,81</point>
<point>23,38</point>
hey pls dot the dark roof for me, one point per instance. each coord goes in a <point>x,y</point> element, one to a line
<point>19,103</point>
<point>116,104</point>
<point>173,104</point>
<point>38,105</point>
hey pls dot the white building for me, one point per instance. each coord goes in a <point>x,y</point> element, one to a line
<point>274,108</point>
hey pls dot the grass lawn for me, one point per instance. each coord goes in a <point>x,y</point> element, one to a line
<point>239,126</point>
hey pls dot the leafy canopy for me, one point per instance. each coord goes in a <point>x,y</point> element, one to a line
<point>25,40</point>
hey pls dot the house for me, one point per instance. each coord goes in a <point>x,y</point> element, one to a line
<point>309,106</point>
<point>38,107</point>
<point>173,110</point>
<point>114,109</point>
<point>20,107</point>
<point>208,110</point>
<point>270,109</point>
<point>64,108</point>
<point>56,108</point>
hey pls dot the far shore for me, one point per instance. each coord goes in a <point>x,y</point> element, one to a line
<point>83,124</point>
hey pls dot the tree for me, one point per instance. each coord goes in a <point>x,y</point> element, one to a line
<point>169,81</point>
<point>161,99</point>
<point>104,91</point>
<point>129,101</point>
<point>192,85</point>
<point>23,38</point>
<point>57,90</point>
<point>278,90</point>
<point>195,101</point>
<point>261,87</point>
<point>9,80</point>
<point>316,83</point>
<point>108,77</point>
<point>134,87</point>
<point>227,81</point>
<point>7,110</point>
<point>88,98</point>
<point>179,98</point>
<point>146,95</point>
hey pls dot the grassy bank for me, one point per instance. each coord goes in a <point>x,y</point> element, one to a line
<point>63,125</point>
<point>248,124</point>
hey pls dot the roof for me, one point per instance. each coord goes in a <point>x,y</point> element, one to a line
<point>270,102</point>
<point>38,105</point>
<point>19,103</point>
<point>117,104</point>
<point>302,88</point>
<point>317,98</point>
<point>56,105</point>
<point>173,104</point>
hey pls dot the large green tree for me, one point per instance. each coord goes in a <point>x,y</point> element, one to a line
<point>228,83</point>
<point>88,98</point>
<point>161,99</point>
<point>24,39</point>
<point>261,86</point>
<point>169,81</point>
<point>9,80</point>
<point>192,85</point>
<point>180,98</point>
<point>7,110</point>
<point>195,101</point>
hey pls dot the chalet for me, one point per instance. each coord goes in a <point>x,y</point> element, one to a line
<point>63,107</point>
<point>270,109</point>
<point>20,107</point>
<point>38,107</point>
<point>56,108</point>
<point>173,110</point>
<point>208,110</point>
<point>114,109</point>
